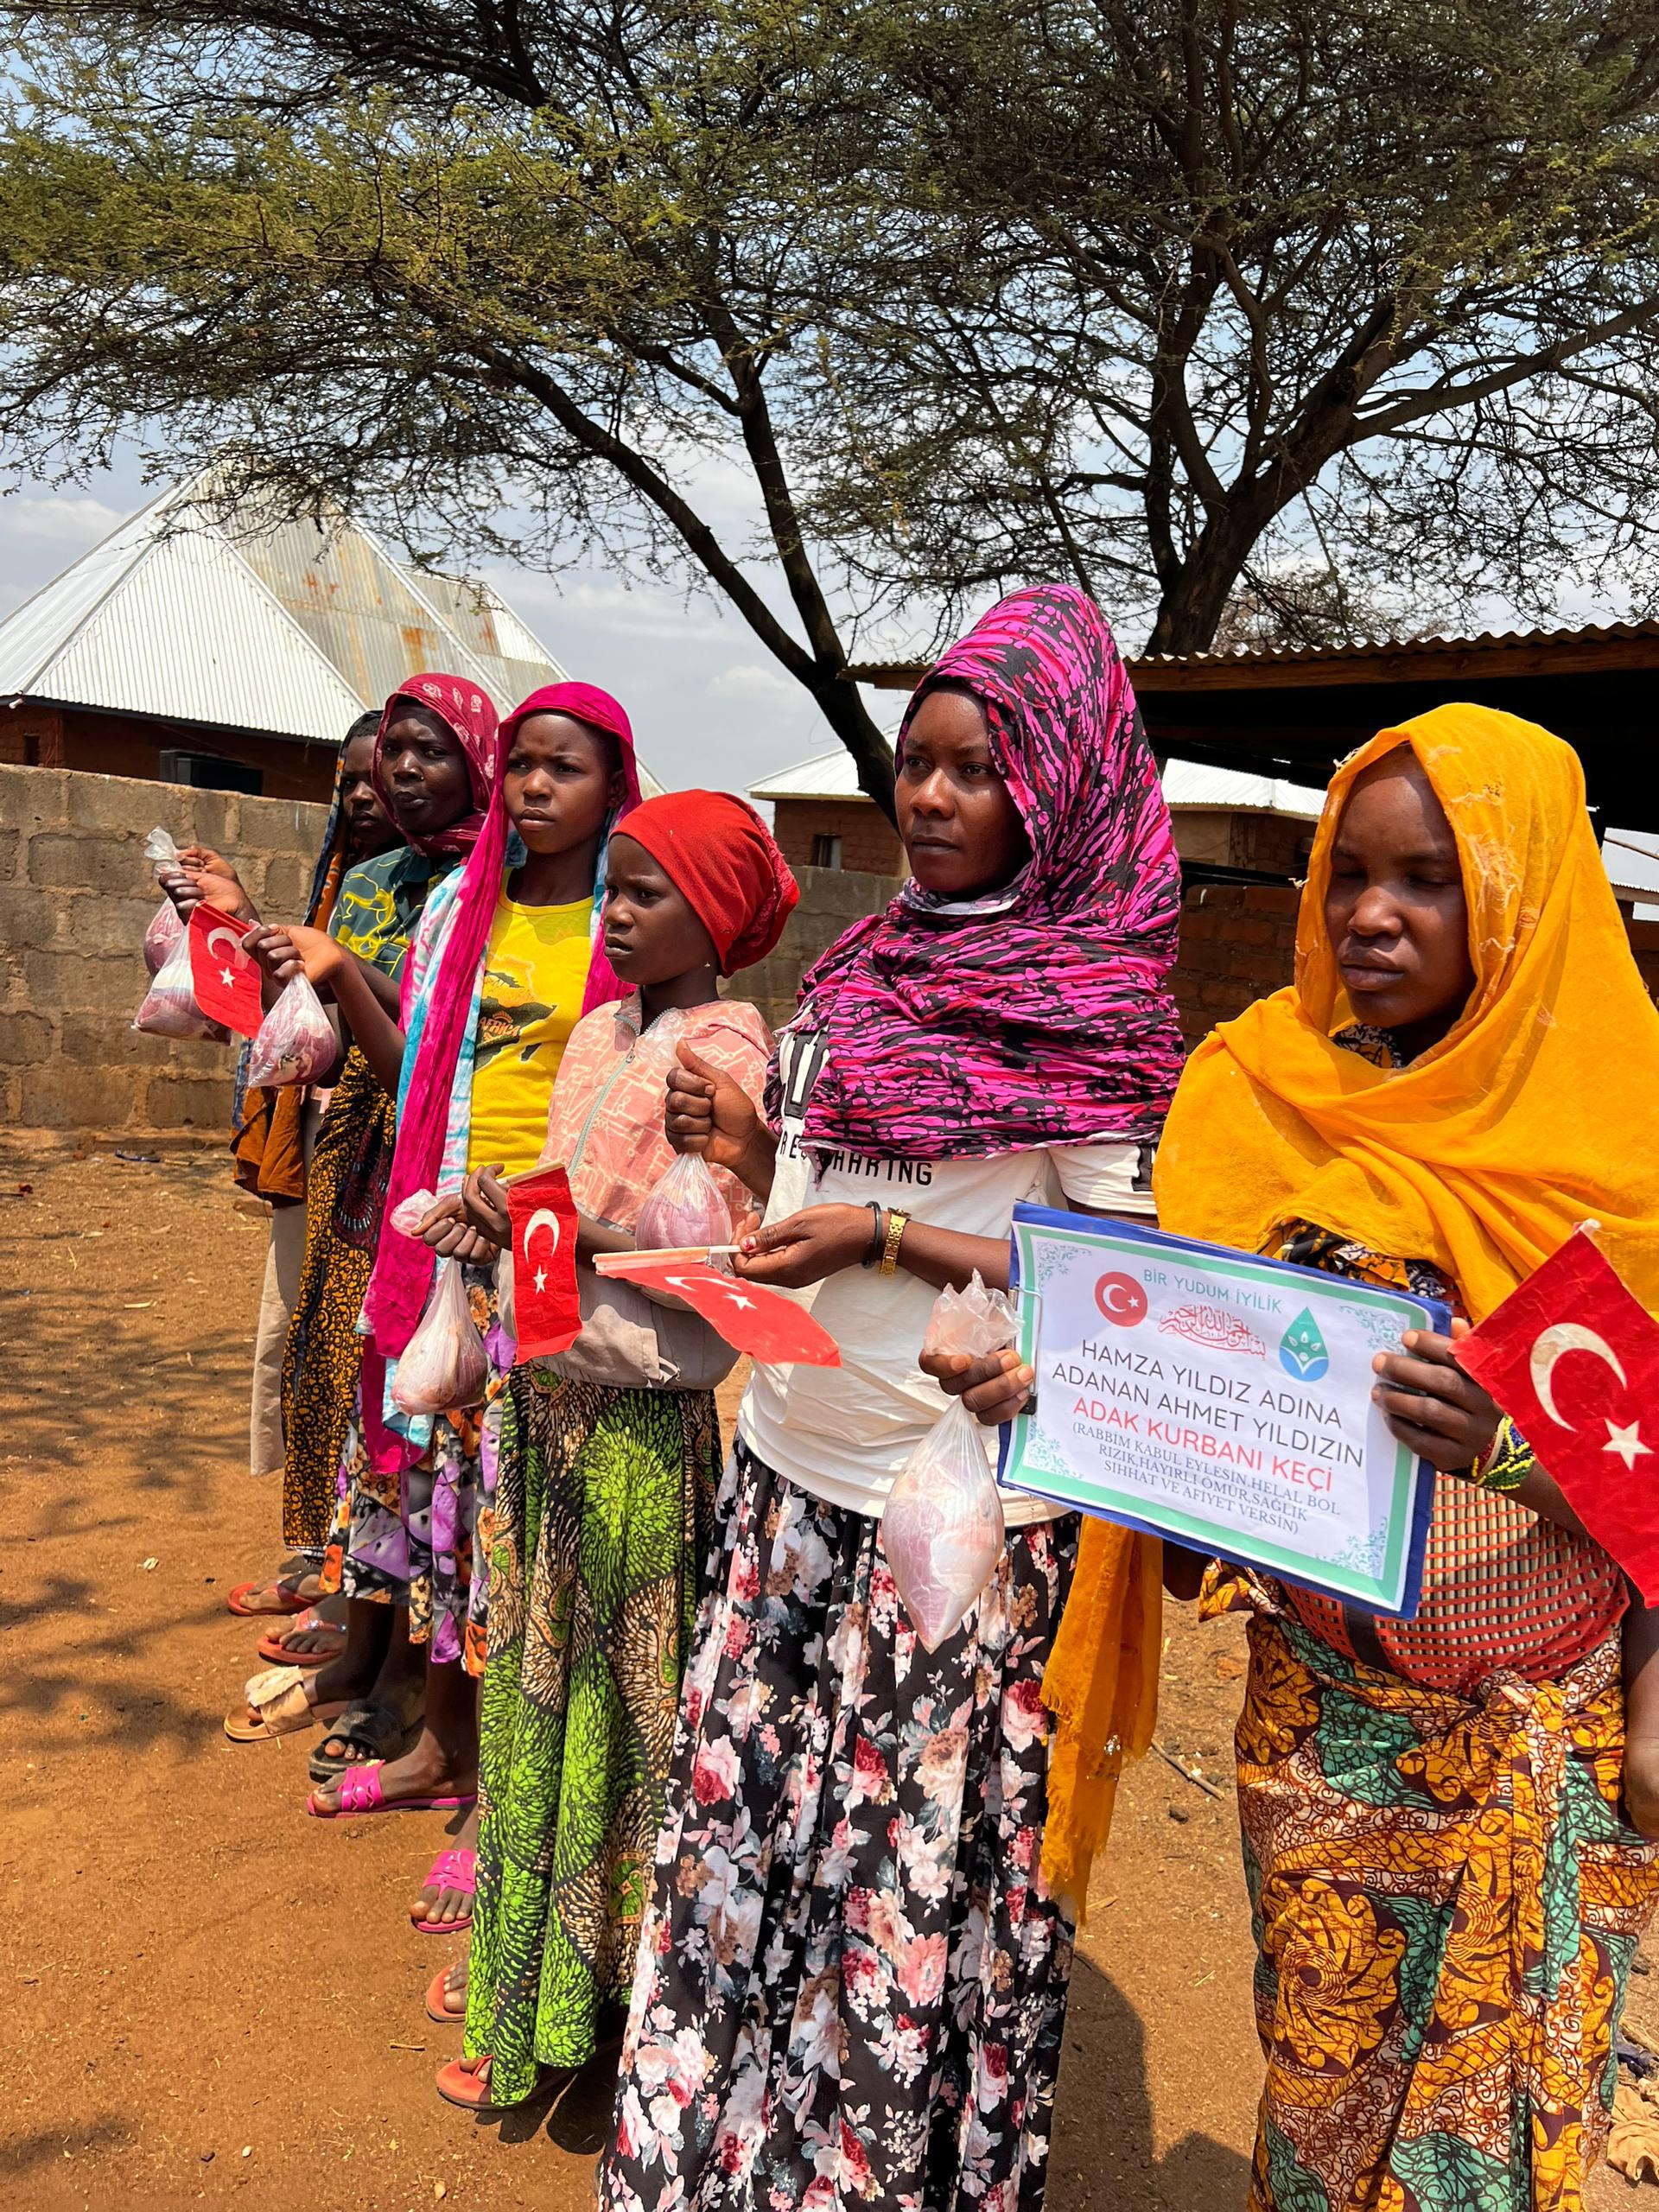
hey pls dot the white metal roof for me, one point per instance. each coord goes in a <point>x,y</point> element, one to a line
<point>294,630</point>
<point>832,775</point>
<point>1632,861</point>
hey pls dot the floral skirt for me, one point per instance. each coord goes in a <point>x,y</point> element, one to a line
<point>1446,1902</point>
<point>851,1985</point>
<point>420,1536</point>
<point>604,1516</point>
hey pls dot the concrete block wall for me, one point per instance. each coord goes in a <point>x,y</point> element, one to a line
<point>76,896</point>
<point>832,901</point>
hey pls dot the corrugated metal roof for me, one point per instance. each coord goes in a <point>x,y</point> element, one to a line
<point>1572,634</point>
<point>292,629</point>
<point>1632,861</point>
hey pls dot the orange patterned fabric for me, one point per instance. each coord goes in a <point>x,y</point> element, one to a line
<point>1447,1902</point>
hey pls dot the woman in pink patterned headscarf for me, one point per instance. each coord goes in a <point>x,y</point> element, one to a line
<point>850,1934</point>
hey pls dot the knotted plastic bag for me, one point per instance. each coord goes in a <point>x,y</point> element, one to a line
<point>170,1008</point>
<point>942,1526</point>
<point>295,1042</point>
<point>167,924</point>
<point>686,1208</point>
<point>444,1363</point>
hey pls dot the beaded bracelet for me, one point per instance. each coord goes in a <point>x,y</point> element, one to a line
<point>1508,1461</point>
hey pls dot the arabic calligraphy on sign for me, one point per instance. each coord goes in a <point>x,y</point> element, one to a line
<point>1214,1327</point>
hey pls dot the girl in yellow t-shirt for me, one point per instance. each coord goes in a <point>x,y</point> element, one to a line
<point>505,961</point>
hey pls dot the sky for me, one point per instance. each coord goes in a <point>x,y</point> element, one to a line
<point>709,705</point>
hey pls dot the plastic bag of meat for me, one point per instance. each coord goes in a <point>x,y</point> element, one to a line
<point>295,1043</point>
<point>167,924</point>
<point>686,1209</point>
<point>170,1008</point>
<point>942,1525</point>
<point>444,1363</point>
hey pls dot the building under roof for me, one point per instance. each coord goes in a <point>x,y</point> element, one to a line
<point>1296,712</point>
<point>183,651</point>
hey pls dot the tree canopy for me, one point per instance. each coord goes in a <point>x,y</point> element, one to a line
<point>1177,298</point>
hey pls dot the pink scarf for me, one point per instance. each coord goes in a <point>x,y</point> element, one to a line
<point>402,1267</point>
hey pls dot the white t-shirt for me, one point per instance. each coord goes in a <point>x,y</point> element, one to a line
<point>844,1432</point>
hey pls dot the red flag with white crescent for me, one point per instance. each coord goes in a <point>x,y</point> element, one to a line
<point>752,1316</point>
<point>1573,1360</point>
<point>225,979</point>
<point>546,1306</point>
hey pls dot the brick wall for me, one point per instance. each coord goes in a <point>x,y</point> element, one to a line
<point>1238,942</point>
<point>869,843</point>
<point>36,733</point>
<point>832,901</point>
<point>76,896</point>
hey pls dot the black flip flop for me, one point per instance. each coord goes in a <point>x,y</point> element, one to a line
<point>374,1732</point>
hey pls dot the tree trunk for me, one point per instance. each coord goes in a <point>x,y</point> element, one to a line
<point>1190,612</point>
<point>844,710</point>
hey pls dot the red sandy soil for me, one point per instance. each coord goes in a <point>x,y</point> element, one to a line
<point>209,1996</point>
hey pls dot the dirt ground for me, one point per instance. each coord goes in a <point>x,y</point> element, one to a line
<point>212,1997</point>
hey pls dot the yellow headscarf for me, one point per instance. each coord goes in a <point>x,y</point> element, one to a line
<point>1539,1110</point>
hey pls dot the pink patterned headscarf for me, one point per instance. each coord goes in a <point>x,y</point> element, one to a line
<point>402,1267</point>
<point>1039,1015</point>
<point>468,714</point>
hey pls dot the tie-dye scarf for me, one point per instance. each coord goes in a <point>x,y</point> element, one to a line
<point>1040,1015</point>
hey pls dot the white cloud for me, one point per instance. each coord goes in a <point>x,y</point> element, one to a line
<point>56,518</point>
<point>751,679</point>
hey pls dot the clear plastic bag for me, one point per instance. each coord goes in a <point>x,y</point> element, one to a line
<point>444,1363</point>
<point>685,1209</point>
<point>167,924</point>
<point>942,1526</point>
<point>295,1043</point>
<point>170,1008</point>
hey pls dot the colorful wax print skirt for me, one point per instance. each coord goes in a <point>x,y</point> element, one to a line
<point>852,1982</point>
<point>604,1521</point>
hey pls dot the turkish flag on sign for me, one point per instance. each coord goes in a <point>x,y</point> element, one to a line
<point>755,1318</point>
<point>225,979</point>
<point>546,1307</point>
<point>1573,1360</point>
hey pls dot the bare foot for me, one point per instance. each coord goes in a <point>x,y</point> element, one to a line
<point>442,1903</point>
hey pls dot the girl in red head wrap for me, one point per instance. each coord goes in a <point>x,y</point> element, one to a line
<point>605,1470</point>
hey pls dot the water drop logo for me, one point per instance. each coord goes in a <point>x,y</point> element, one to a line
<point>1302,1351</point>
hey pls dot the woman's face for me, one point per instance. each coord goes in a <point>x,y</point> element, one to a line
<point>369,828</point>
<point>652,933</point>
<point>426,772</point>
<point>1394,907</point>
<point>561,782</point>
<point>963,833</point>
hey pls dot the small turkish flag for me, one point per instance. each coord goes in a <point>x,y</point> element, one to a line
<point>225,979</point>
<point>1580,1391</point>
<point>546,1307</point>
<point>750,1315</point>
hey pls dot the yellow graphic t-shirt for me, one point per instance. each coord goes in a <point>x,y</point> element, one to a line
<point>535,973</point>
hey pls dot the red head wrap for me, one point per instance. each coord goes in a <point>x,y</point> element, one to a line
<point>719,853</point>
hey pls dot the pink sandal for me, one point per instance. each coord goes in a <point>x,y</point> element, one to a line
<point>450,1870</point>
<point>360,1792</point>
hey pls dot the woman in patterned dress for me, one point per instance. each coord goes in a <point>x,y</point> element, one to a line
<point>852,1978</point>
<point>1447,1882</point>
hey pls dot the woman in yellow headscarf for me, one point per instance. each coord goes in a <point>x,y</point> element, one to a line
<point>1448,1892</point>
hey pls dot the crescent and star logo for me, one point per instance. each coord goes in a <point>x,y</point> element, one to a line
<point>1122,1299</point>
<point>225,974</point>
<point>1554,1344</point>
<point>543,1218</point>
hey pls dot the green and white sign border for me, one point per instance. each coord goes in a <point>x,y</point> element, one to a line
<point>1387,1581</point>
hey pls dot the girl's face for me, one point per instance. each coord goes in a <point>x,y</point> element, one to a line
<point>963,833</point>
<point>369,828</point>
<point>651,934</point>
<point>426,772</point>
<point>1394,907</point>
<point>563,783</point>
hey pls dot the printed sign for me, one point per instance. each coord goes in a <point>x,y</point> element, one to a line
<point>1220,1399</point>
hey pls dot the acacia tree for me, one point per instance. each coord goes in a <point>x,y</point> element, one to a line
<point>1374,286</point>
<point>432,259</point>
<point>1138,292</point>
